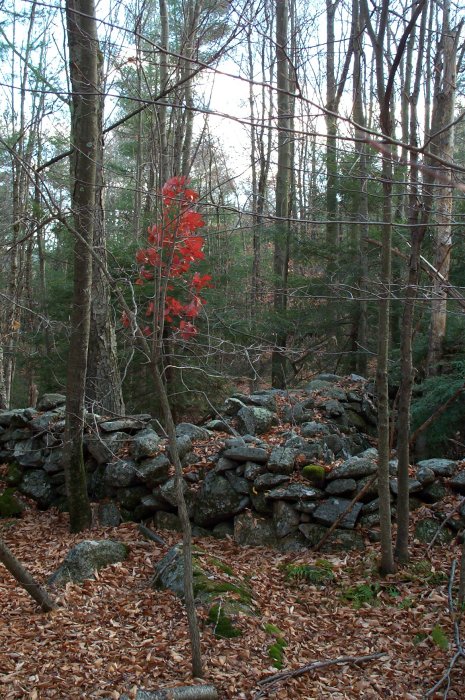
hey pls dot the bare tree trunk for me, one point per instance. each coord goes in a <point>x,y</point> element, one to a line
<point>103,380</point>
<point>24,578</point>
<point>418,230</point>
<point>82,42</point>
<point>442,144</point>
<point>282,233</point>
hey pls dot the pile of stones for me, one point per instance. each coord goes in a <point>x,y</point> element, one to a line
<point>282,467</point>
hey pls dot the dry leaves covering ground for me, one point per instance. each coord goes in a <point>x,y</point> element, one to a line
<point>114,633</point>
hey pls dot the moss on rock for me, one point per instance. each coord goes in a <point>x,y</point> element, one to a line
<point>315,474</point>
<point>10,506</point>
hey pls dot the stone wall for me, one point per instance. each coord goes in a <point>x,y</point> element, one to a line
<point>276,468</point>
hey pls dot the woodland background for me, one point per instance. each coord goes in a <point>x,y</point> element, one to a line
<point>326,142</point>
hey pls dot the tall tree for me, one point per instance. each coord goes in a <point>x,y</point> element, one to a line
<point>442,145</point>
<point>83,66</point>
<point>282,231</point>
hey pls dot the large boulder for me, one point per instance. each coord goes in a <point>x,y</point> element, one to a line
<point>85,558</point>
<point>217,500</point>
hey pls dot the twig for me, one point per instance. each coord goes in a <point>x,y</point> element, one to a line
<point>443,524</point>
<point>284,675</point>
<point>445,678</point>
<point>359,495</point>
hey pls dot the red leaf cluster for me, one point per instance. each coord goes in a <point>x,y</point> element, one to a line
<point>173,247</point>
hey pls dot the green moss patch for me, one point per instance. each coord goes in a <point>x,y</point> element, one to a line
<point>10,506</point>
<point>314,473</point>
<point>223,625</point>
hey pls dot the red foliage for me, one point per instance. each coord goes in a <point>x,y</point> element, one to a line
<point>173,246</point>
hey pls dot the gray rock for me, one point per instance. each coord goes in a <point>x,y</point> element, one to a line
<point>130,497</point>
<point>433,492</point>
<point>353,468</point>
<point>246,454</point>
<point>339,539</point>
<point>458,482</point>
<point>36,484</point>
<point>339,487</point>
<point>217,500</point>
<point>153,471</point>
<point>269,481</point>
<point>51,401</point>
<point>120,474</point>
<point>316,385</point>
<point>108,515</point>
<point>286,519</point>
<point>253,531</point>
<point>169,493</point>
<point>183,445</point>
<point>333,408</point>
<point>26,453</point>
<point>295,492</point>
<point>232,406</point>
<point>54,461</point>
<point>122,425</point>
<point>302,412</point>
<point>329,511</point>
<point>46,421</point>
<point>219,426</point>
<point>426,529</point>
<point>252,470</point>
<point>223,530</point>
<point>264,400</point>
<point>105,449</point>
<point>414,486</point>
<point>224,464</point>
<point>314,428</point>
<point>305,507</point>
<point>425,475</point>
<point>255,420</point>
<point>87,557</point>
<point>167,521</point>
<point>239,484</point>
<point>337,445</point>
<point>145,444</point>
<point>147,506</point>
<point>194,432</point>
<point>281,460</point>
<point>441,467</point>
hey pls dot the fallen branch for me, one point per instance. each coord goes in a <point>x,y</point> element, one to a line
<point>147,532</point>
<point>344,513</point>
<point>183,692</point>
<point>460,651</point>
<point>276,678</point>
<point>24,578</point>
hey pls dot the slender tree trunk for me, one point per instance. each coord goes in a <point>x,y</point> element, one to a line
<point>443,145</point>
<point>282,233</point>
<point>82,43</point>
<point>103,381</point>
<point>418,230</point>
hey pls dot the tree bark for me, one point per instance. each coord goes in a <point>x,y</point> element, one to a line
<point>442,144</point>
<point>282,232</point>
<point>24,578</point>
<point>103,380</point>
<point>82,43</point>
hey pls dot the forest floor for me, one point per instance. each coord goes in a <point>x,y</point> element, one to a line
<point>116,633</point>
